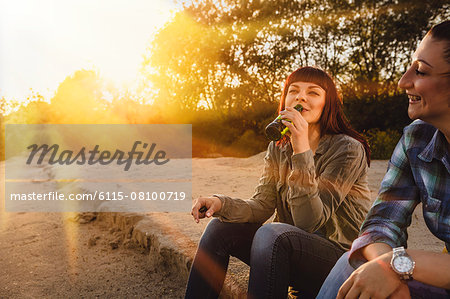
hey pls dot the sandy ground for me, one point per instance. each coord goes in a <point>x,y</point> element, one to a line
<point>53,255</point>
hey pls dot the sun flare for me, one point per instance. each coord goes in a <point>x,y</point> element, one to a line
<point>45,41</point>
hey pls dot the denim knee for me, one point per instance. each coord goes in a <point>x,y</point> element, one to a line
<point>267,235</point>
<point>212,233</point>
<point>338,275</point>
<point>213,226</point>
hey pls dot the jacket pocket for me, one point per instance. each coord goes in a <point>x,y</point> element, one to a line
<point>431,212</point>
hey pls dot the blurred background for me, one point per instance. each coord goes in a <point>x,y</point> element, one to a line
<point>218,65</point>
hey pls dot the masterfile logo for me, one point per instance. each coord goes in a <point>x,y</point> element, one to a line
<point>67,157</point>
<point>119,168</point>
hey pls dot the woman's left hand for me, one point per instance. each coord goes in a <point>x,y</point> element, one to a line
<point>298,129</point>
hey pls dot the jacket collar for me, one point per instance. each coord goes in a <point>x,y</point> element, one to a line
<point>436,149</point>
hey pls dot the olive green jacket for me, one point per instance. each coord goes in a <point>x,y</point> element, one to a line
<point>326,193</point>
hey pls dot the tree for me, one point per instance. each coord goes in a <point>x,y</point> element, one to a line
<point>79,100</point>
<point>382,36</point>
<point>231,57</point>
<point>229,53</point>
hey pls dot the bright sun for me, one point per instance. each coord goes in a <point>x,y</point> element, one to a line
<point>42,42</point>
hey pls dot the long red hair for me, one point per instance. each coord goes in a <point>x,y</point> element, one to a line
<point>333,120</point>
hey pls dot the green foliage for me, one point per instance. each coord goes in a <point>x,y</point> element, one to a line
<point>229,56</point>
<point>79,99</point>
<point>248,144</point>
<point>384,112</point>
<point>240,134</point>
<point>220,65</point>
<point>382,143</point>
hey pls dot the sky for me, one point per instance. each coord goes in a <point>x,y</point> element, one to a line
<point>44,41</point>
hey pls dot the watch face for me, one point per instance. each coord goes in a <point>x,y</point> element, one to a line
<point>403,264</point>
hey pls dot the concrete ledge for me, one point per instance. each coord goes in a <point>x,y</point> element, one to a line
<point>161,235</point>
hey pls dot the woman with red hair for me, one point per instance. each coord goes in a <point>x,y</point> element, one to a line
<point>315,180</point>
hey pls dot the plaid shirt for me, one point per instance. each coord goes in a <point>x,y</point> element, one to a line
<point>418,172</point>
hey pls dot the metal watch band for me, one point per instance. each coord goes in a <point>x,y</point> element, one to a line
<point>400,251</point>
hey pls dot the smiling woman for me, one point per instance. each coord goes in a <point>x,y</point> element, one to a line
<point>378,265</point>
<point>315,180</point>
<point>427,82</point>
<point>60,37</point>
<point>330,118</point>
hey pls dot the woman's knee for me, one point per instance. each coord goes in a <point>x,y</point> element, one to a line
<point>270,234</point>
<point>213,231</point>
<point>226,233</point>
<point>213,226</point>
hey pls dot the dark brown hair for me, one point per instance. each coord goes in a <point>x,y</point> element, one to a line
<point>333,120</point>
<point>441,32</point>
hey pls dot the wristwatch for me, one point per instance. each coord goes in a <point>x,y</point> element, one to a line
<point>402,263</point>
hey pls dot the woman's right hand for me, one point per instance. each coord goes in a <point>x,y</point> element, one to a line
<point>212,204</point>
<point>298,128</point>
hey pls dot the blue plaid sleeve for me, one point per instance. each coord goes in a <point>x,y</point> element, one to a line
<point>391,212</point>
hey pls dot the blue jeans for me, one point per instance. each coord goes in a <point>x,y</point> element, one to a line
<point>342,270</point>
<point>279,255</point>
